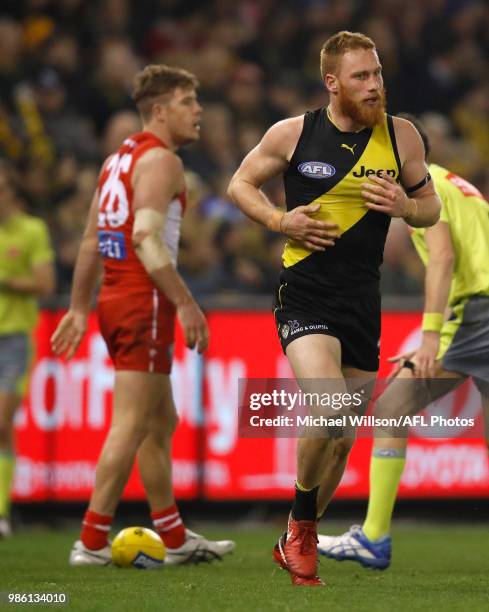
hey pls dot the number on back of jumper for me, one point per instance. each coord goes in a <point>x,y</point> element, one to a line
<point>113,202</point>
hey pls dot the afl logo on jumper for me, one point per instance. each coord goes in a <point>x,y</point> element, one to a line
<point>316,169</point>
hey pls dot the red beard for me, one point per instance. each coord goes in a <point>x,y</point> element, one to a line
<point>361,112</point>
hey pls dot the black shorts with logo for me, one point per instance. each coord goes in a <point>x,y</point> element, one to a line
<point>354,320</point>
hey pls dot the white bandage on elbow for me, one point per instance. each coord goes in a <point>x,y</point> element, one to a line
<point>147,240</point>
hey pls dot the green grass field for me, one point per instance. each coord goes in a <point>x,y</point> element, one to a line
<point>438,568</point>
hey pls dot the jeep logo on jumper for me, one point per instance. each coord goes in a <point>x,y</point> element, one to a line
<point>369,171</point>
<point>316,169</point>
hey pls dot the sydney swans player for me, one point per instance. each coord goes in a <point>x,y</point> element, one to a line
<point>134,224</point>
<point>347,169</point>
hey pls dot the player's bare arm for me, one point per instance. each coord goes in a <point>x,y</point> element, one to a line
<point>158,178</point>
<point>72,326</point>
<point>268,159</point>
<point>421,208</point>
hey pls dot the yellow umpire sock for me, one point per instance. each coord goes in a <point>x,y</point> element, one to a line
<point>7,465</point>
<point>386,467</point>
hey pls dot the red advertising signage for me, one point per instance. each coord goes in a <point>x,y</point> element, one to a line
<point>64,420</point>
<point>245,345</point>
<point>66,416</point>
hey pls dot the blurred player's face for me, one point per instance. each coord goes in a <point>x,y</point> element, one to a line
<point>183,115</point>
<point>359,87</point>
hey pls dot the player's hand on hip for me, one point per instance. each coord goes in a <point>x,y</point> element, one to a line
<point>194,325</point>
<point>69,333</point>
<point>424,360</point>
<point>313,234</point>
<point>385,195</point>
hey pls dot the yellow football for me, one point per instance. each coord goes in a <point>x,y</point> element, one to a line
<point>138,547</point>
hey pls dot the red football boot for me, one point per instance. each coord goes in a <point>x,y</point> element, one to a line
<point>300,548</point>
<point>279,558</point>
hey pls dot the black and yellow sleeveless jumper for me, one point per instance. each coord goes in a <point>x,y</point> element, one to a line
<point>336,291</point>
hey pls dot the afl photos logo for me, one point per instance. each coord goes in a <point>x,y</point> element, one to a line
<point>316,169</point>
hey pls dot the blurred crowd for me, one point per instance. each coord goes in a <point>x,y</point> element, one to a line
<point>67,67</point>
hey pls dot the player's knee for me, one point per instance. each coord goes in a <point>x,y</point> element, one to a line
<point>138,434</point>
<point>341,449</point>
<point>162,435</point>
<point>129,435</point>
<point>383,409</point>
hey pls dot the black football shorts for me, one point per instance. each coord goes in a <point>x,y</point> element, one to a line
<point>354,320</point>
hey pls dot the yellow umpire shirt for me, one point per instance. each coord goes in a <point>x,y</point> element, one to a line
<point>24,244</point>
<point>466,212</point>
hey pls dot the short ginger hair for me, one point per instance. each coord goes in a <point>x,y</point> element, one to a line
<point>336,46</point>
<point>157,80</point>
